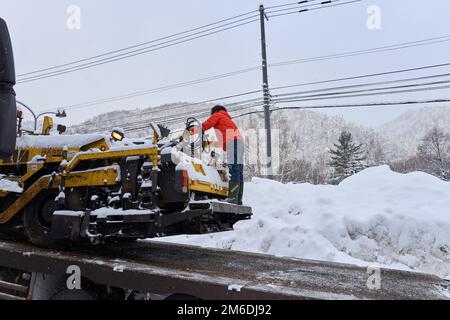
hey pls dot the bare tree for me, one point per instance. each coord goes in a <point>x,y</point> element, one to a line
<point>302,171</point>
<point>409,165</point>
<point>434,151</point>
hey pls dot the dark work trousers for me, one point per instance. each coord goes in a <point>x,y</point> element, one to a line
<point>235,159</point>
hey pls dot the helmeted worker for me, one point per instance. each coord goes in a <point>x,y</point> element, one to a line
<point>233,143</point>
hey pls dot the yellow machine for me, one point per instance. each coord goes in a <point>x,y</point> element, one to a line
<point>97,187</point>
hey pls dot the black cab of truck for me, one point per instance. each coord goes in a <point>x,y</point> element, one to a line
<point>8,124</point>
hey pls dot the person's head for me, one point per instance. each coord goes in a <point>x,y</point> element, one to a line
<point>217,109</point>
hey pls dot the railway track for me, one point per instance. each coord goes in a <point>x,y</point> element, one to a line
<point>163,268</point>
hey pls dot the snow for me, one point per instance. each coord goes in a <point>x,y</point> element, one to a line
<point>57,141</point>
<point>114,199</point>
<point>376,217</point>
<point>9,186</point>
<point>37,159</point>
<point>115,167</point>
<point>235,287</point>
<point>119,268</point>
<point>104,212</point>
<point>61,196</point>
<point>109,212</point>
<point>445,292</point>
<point>69,213</point>
<point>147,184</point>
<point>185,162</point>
<point>127,144</point>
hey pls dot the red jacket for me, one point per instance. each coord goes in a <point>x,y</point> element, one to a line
<point>226,129</point>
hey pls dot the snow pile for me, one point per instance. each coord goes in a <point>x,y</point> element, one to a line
<point>376,217</point>
<point>9,186</point>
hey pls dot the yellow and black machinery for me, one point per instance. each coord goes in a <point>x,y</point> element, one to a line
<point>56,188</point>
<point>99,187</point>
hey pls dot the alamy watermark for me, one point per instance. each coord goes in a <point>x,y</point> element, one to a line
<point>74,279</point>
<point>73,21</point>
<point>374,18</point>
<point>374,279</point>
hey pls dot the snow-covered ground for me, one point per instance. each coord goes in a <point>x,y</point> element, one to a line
<point>377,217</point>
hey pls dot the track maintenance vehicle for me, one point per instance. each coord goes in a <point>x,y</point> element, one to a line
<point>58,188</point>
<point>100,188</point>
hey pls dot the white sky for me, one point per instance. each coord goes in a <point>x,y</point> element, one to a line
<point>41,39</point>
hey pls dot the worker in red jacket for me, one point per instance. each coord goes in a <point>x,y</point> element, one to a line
<point>232,142</point>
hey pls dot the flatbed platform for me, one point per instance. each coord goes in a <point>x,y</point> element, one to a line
<point>162,268</point>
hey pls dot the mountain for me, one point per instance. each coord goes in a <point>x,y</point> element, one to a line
<point>401,136</point>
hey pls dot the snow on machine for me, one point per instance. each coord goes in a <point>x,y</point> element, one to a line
<point>59,188</point>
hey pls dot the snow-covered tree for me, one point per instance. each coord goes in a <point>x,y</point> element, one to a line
<point>434,151</point>
<point>347,157</point>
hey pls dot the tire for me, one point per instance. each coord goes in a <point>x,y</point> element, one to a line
<point>75,295</point>
<point>37,220</point>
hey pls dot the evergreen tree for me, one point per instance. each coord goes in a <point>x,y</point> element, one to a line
<point>347,157</point>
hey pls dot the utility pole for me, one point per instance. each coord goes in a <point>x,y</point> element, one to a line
<point>266,93</point>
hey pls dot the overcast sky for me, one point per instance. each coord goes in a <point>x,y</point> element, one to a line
<point>41,39</point>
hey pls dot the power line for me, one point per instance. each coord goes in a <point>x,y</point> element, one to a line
<point>136,52</point>
<point>326,81</point>
<point>285,63</point>
<point>181,119</point>
<point>165,123</point>
<point>160,89</point>
<point>229,74</point>
<point>319,8</point>
<point>367,51</point>
<point>301,6</point>
<point>340,95</point>
<point>256,102</point>
<point>360,52</point>
<point>364,76</point>
<point>377,104</point>
<point>130,54</point>
<point>334,95</point>
<point>291,4</point>
<point>160,39</point>
<point>364,85</point>
<point>137,45</point>
<point>203,111</point>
